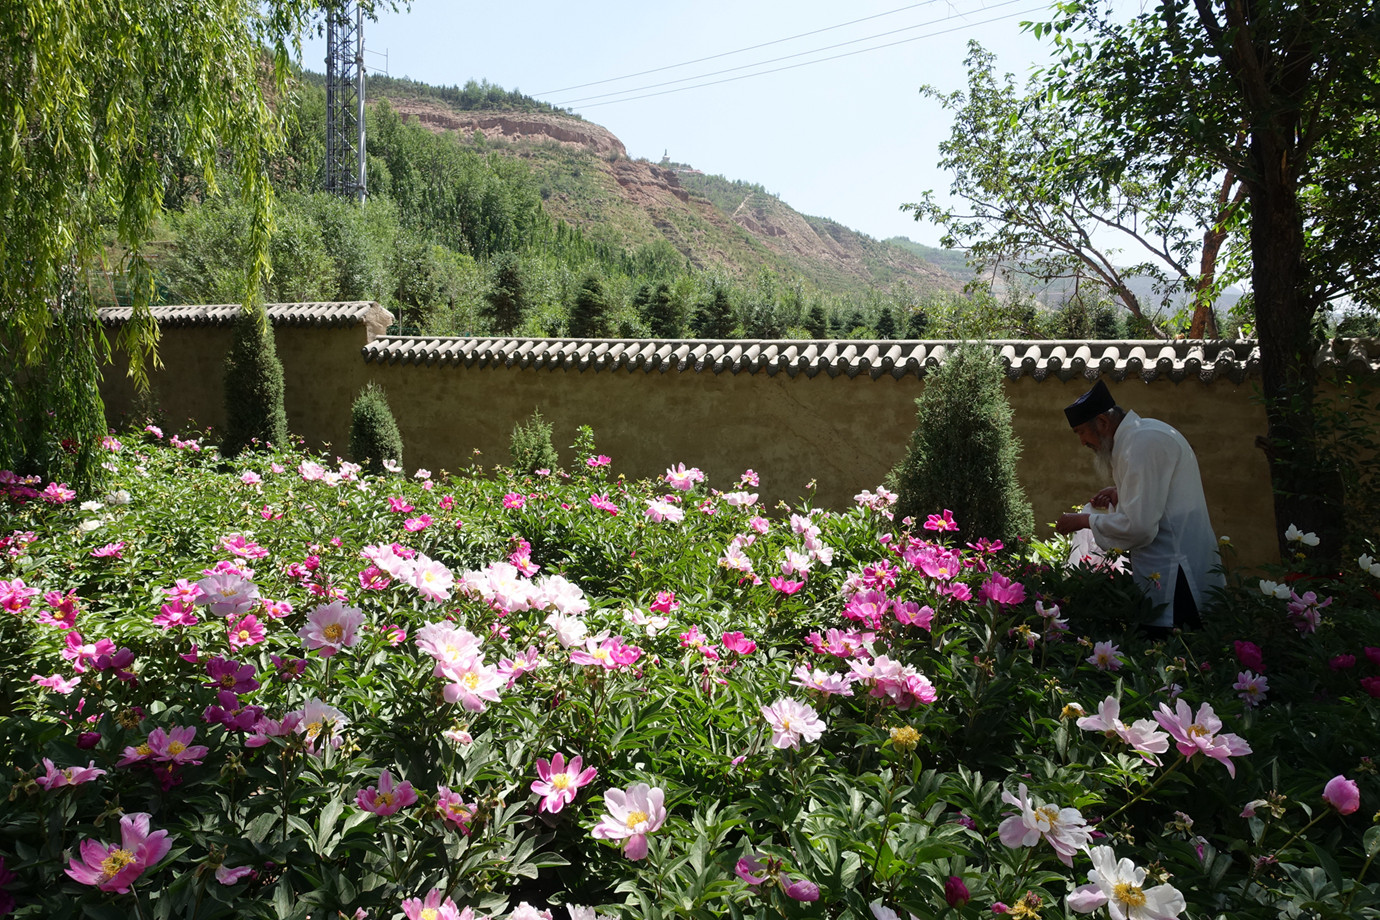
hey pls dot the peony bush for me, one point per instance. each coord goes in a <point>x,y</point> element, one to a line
<point>276,686</point>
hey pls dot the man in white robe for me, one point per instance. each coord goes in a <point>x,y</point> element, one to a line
<point>1156,512</point>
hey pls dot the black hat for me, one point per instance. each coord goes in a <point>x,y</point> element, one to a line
<point>1090,405</point>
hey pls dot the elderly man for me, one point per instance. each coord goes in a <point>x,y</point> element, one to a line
<point>1156,509</point>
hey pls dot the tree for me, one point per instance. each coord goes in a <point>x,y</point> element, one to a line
<point>917,323</point>
<point>589,314</point>
<point>1283,97</point>
<point>1048,195</point>
<point>886,324</point>
<point>662,314</point>
<point>253,389</point>
<point>714,318</point>
<point>106,104</point>
<point>374,435</point>
<point>817,322</point>
<point>506,305</point>
<point>963,453</point>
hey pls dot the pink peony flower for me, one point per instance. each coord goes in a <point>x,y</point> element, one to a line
<point>332,627</point>
<point>421,522</point>
<point>514,500</point>
<point>682,479</point>
<point>53,778</point>
<point>228,875</point>
<point>109,551</point>
<point>1342,662</point>
<point>388,798</point>
<point>791,722</point>
<point>1252,687</point>
<point>596,462</point>
<point>632,815</point>
<point>1342,794</point>
<point>1201,734</point>
<point>558,783</point>
<point>824,682</point>
<point>115,868</point>
<point>57,683</point>
<point>1371,685</point>
<point>1106,657</point>
<point>785,586</point>
<point>454,810</point>
<point>1142,736</point>
<point>431,907</point>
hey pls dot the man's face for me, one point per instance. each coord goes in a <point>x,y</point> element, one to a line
<point>1093,434</point>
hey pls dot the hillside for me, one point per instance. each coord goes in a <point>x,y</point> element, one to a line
<point>588,180</point>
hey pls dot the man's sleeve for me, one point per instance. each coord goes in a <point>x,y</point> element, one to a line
<point>1141,498</point>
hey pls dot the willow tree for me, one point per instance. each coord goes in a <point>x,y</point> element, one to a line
<point>108,103</point>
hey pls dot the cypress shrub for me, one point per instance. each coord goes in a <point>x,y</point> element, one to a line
<point>253,387</point>
<point>531,445</point>
<point>374,435</point>
<point>963,453</point>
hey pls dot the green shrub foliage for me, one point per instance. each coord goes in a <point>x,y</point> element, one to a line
<point>374,435</point>
<point>963,454</point>
<point>253,387</point>
<point>531,445</point>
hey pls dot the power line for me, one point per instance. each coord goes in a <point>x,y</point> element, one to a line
<point>761,73</point>
<point>787,57</point>
<point>643,73</point>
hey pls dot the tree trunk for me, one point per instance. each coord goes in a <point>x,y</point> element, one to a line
<point>1305,493</point>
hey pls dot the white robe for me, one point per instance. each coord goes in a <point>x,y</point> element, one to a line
<point>1161,517</point>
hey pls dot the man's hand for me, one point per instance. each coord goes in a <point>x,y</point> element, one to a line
<point>1106,498</point>
<point>1068,523</point>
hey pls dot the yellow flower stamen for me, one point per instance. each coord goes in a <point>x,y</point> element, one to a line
<point>113,863</point>
<point>333,632</point>
<point>1128,894</point>
<point>635,818</point>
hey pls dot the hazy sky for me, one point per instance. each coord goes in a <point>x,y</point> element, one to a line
<point>849,139</point>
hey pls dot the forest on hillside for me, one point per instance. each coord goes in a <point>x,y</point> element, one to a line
<point>455,239</point>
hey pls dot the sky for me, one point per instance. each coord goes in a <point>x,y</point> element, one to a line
<point>850,139</point>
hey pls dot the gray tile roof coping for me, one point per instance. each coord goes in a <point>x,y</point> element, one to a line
<point>334,313</point>
<point>1176,360</point>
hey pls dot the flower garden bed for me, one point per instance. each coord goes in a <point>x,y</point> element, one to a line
<point>274,687</point>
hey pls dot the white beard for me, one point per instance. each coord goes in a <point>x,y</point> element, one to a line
<point>1102,461</point>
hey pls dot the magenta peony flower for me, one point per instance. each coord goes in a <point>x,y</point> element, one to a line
<point>559,783</point>
<point>388,798</point>
<point>53,778</point>
<point>1342,794</point>
<point>1248,653</point>
<point>112,868</point>
<point>955,892</point>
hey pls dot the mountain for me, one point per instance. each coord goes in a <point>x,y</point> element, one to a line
<point>588,180</point>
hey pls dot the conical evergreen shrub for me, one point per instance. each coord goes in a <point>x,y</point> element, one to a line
<point>589,315</point>
<point>963,453</point>
<point>531,445</point>
<point>374,435</point>
<point>253,387</point>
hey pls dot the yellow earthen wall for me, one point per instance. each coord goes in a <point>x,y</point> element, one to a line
<point>843,434</point>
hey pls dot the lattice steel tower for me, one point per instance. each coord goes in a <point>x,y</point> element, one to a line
<point>345,175</point>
